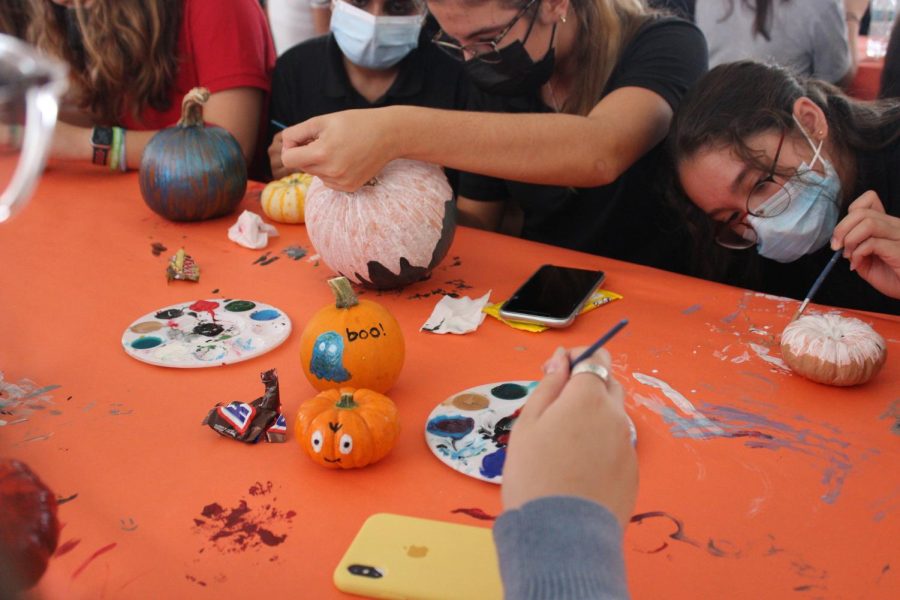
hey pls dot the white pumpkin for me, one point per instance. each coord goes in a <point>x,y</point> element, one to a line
<point>389,233</point>
<point>832,349</point>
<point>283,199</point>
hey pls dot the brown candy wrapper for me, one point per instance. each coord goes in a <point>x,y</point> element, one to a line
<point>182,267</point>
<point>260,419</point>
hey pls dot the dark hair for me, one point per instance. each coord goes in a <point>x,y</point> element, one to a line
<point>890,77</point>
<point>736,101</point>
<point>13,18</point>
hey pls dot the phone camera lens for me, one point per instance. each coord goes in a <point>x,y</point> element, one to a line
<point>365,571</point>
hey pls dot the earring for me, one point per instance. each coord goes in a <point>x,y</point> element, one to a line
<point>563,18</point>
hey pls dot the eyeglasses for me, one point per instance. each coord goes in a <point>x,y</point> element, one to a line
<point>768,198</point>
<point>487,51</point>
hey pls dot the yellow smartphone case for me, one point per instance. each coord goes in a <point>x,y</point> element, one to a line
<point>395,556</point>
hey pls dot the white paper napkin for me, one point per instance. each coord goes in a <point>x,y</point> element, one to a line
<point>456,315</point>
<point>250,231</point>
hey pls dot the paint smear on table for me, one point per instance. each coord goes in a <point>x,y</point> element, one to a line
<point>763,353</point>
<point>816,441</point>
<point>253,522</point>
<point>91,559</point>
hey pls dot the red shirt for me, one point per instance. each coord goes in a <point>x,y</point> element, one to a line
<point>221,46</point>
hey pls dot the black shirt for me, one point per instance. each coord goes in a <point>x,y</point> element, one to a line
<point>878,171</point>
<point>310,80</point>
<point>627,219</point>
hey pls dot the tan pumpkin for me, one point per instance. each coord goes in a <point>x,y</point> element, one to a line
<point>346,428</point>
<point>353,342</point>
<point>283,200</point>
<point>389,233</point>
<point>832,349</point>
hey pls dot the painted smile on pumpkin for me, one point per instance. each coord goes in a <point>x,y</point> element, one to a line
<point>336,460</point>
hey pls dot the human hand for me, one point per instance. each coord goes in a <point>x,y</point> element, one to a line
<point>572,438</point>
<point>871,241</point>
<point>857,8</point>
<point>278,168</point>
<point>344,149</point>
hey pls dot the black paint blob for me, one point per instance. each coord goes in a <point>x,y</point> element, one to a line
<point>172,313</point>
<point>239,306</point>
<point>509,391</point>
<point>209,329</point>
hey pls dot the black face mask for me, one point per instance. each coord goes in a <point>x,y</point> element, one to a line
<point>515,74</point>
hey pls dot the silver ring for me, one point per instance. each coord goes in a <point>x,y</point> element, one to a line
<point>598,370</point>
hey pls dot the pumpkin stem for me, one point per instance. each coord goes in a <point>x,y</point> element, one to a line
<point>346,401</point>
<point>192,107</point>
<point>344,296</point>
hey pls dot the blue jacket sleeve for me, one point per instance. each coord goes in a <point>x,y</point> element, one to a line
<point>560,547</point>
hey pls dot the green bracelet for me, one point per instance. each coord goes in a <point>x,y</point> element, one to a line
<point>115,149</point>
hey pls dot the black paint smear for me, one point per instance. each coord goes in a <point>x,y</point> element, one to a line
<point>243,526</point>
<point>509,391</point>
<point>215,291</point>
<point>67,499</point>
<point>382,278</point>
<point>459,284</point>
<point>209,329</point>
<point>156,248</point>
<point>172,313</point>
<point>678,535</point>
<point>269,261</point>
<point>434,292</point>
<point>265,259</point>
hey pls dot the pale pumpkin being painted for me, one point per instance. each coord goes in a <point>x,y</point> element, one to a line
<point>389,233</point>
<point>832,349</point>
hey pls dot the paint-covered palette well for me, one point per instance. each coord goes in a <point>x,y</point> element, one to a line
<point>206,333</point>
<point>469,431</point>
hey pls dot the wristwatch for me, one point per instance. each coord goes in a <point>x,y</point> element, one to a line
<point>101,140</point>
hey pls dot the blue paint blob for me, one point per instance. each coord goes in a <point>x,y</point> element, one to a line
<point>451,426</point>
<point>509,391</point>
<point>267,314</point>
<point>327,360</point>
<point>145,343</point>
<point>492,464</point>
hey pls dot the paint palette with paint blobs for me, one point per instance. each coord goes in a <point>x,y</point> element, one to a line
<point>206,333</point>
<point>469,431</point>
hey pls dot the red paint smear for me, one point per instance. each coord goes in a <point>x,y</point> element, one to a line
<point>475,513</point>
<point>66,547</point>
<point>205,306</point>
<point>85,564</point>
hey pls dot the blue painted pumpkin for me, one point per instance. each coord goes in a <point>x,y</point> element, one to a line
<point>191,172</point>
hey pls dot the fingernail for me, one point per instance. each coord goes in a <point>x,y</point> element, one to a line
<point>834,244</point>
<point>556,362</point>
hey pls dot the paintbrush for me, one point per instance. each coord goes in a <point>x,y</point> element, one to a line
<point>600,341</point>
<point>278,124</point>
<point>818,283</point>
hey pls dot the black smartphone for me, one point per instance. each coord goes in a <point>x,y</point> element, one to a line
<point>552,296</point>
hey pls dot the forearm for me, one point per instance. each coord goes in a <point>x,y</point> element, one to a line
<point>535,148</point>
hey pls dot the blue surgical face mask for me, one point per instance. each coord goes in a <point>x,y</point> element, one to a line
<point>809,220</point>
<point>374,42</point>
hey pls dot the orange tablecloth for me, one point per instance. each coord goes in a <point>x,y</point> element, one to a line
<point>754,481</point>
<point>867,82</point>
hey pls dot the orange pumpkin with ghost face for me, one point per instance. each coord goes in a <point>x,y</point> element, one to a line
<point>347,428</point>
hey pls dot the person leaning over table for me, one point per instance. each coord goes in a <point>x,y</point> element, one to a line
<point>132,61</point>
<point>890,76</point>
<point>378,54</point>
<point>816,38</point>
<point>588,87</point>
<point>577,509</point>
<point>796,169</point>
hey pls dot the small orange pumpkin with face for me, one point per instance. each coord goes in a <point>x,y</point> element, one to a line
<point>347,428</point>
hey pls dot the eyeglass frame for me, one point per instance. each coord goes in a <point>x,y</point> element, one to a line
<point>458,51</point>
<point>730,223</point>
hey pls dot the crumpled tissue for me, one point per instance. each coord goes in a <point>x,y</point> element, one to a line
<point>250,231</point>
<point>456,315</point>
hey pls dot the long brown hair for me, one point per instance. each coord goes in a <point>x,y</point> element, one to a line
<point>123,53</point>
<point>13,18</point>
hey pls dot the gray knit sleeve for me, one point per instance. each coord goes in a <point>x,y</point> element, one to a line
<point>560,547</point>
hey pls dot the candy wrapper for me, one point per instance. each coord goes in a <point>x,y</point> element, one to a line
<point>248,422</point>
<point>181,266</point>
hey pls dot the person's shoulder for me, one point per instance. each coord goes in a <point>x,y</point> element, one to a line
<point>667,35</point>
<point>666,27</point>
<point>199,11</point>
<point>308,50</point>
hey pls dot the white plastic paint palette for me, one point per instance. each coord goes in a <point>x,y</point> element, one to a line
<point>206,333</point>
<point>469,431</point>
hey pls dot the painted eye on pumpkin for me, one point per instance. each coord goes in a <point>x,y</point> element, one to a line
<point>346,444</point>
<point>317,441</point>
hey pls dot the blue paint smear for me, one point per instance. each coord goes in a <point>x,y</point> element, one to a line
<point>265,315</point>
<point>145,343</point>
<point>451,426</point>
<point>492,464</point>
<point>43,390</point>
<point>731,317</point>
<point>692,309</point>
